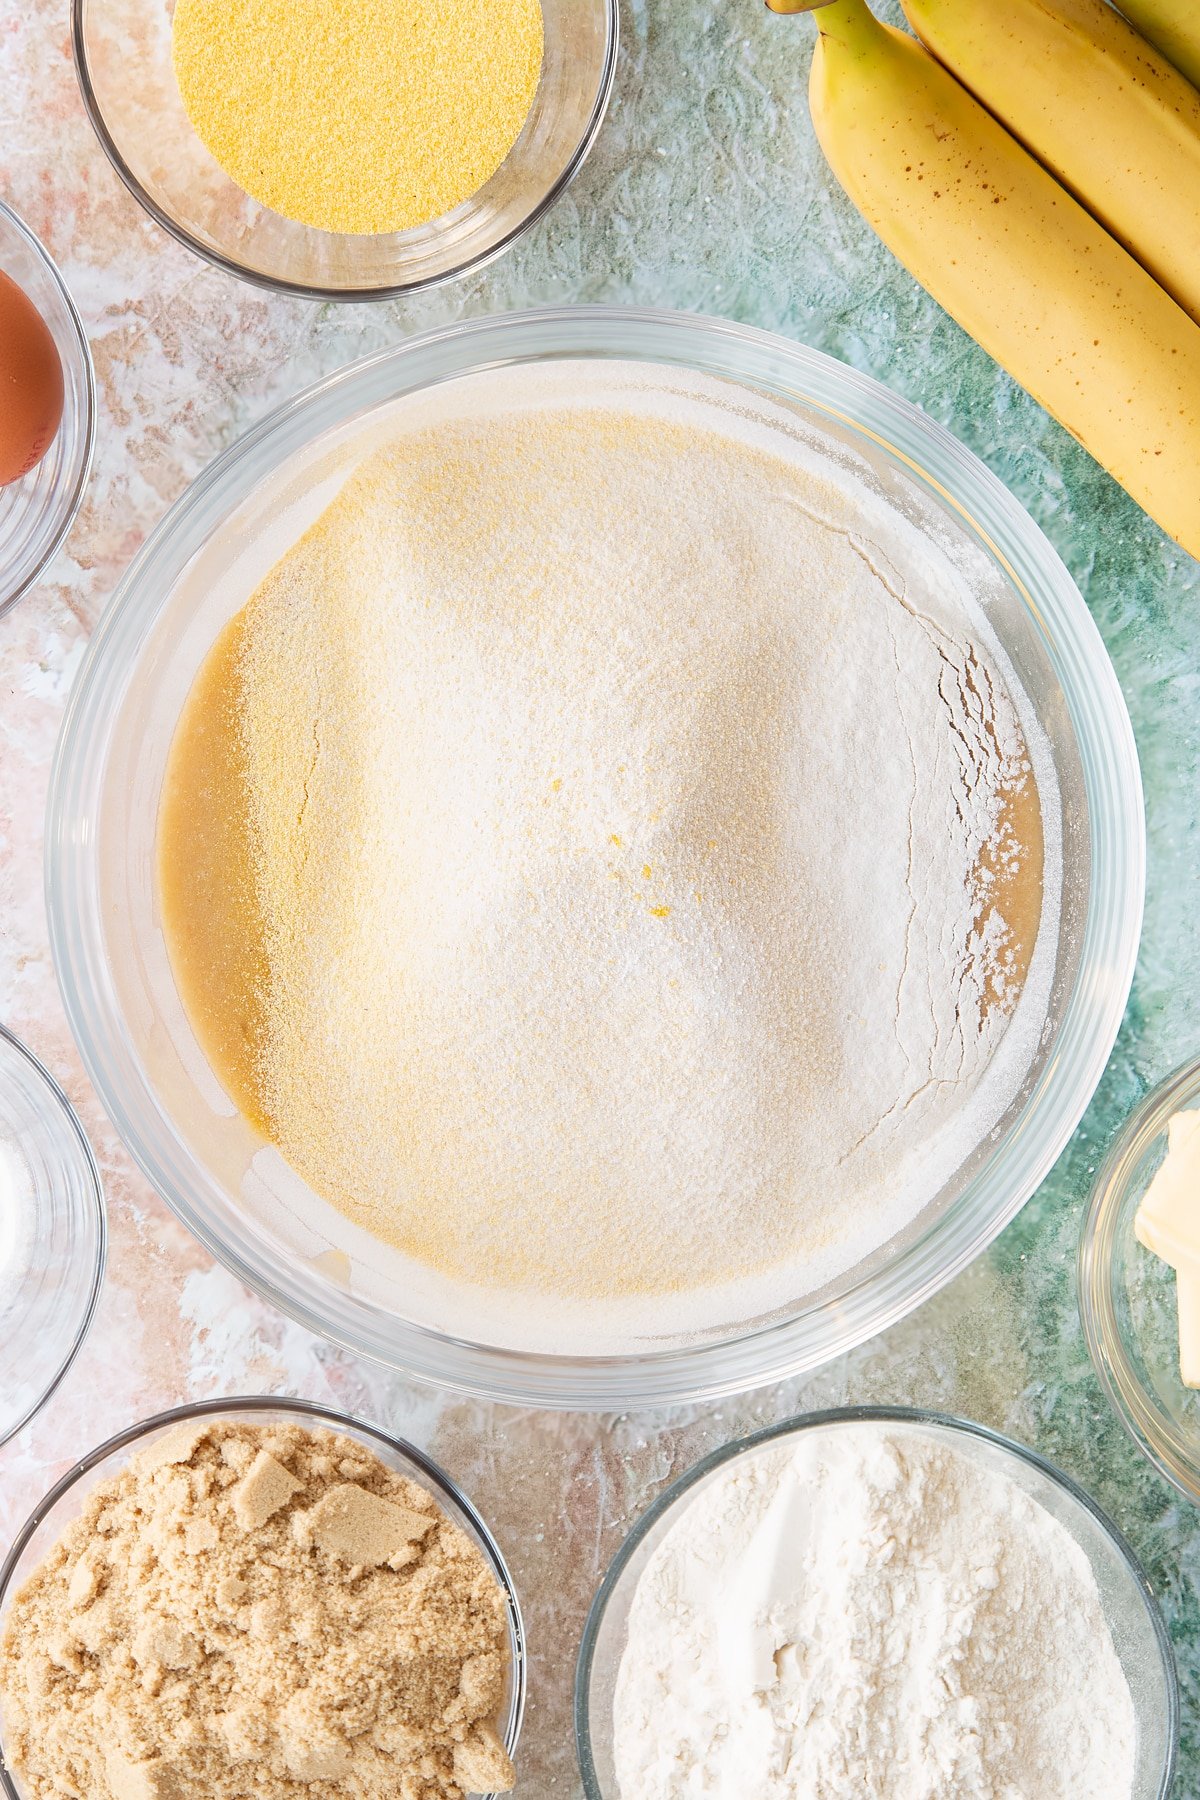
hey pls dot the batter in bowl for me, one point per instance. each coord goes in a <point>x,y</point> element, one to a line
<point>606,856</point>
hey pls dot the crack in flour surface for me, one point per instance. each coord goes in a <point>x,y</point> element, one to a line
<point>651,859</point>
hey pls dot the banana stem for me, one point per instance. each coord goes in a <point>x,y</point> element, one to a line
<point>851,17</point>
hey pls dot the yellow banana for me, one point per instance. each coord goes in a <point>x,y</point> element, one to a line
<point>1103,110</point>
<point>1014,259</point>
<point>1172,25</point>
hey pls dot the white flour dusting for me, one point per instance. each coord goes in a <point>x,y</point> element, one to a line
<point>868,1613</point>
<point>630,788</point>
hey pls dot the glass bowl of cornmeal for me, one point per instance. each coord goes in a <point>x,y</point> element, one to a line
<point>346,152</point>
<point>596,858</point>
<point>1139,1277</point>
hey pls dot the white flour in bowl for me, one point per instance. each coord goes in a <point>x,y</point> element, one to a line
<point>649,836</point>
<point>865,1614</point>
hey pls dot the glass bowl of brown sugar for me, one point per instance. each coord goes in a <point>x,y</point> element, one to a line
<point>127,77</point>
<point>195,1523</point>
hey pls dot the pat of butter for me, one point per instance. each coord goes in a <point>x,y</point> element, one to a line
<point>1168,1223</point>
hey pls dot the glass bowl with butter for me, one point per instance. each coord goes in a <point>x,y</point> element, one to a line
<point>1139,1277</point>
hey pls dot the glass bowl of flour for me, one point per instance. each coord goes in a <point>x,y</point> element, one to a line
<point>596,858</point>
<point>876,1600</point>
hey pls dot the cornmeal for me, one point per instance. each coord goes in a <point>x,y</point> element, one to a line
<point>358,117</point>
<point>261,1611</point>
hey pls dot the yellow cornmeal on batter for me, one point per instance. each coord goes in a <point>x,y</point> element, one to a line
<point>358,116</point>
<point>598,871</point>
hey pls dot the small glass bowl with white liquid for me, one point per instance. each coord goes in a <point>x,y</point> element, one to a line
<point>52,1235</point>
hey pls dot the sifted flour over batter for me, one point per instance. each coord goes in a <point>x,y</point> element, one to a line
<point>608,851</point>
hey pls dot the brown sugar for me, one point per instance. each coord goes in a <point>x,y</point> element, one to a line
<point>257,1611</point>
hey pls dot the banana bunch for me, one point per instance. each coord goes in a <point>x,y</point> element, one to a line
<point>1102,110</point>
<point>1066,240</point>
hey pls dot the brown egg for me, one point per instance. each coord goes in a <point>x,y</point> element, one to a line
<point>31,384</point>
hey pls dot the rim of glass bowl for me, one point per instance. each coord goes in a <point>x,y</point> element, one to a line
<point>927,452</point>
<point>306,1410</point>
<point>1153,1433</point>
<point>833,1415</point>
<point>70,503</point>
<point>311,291</point>
<point>95,1192</point>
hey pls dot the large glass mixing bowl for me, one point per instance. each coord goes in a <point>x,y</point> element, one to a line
<point>197,569</point>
